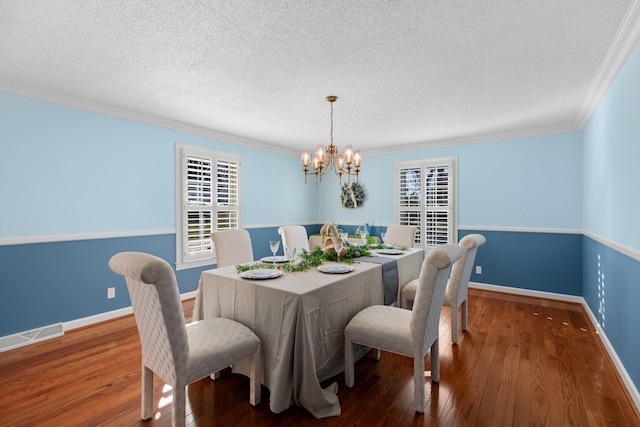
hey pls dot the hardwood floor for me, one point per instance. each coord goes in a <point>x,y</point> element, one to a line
<point>525,361</point>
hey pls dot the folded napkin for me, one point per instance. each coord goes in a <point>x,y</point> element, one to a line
<point>389,276</point>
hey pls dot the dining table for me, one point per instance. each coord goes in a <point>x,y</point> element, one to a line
<point>300,320</point>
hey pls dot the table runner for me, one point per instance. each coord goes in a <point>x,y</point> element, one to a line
<point>389,275</point>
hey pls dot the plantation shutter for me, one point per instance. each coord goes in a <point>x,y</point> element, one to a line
<point>410,200</point>
<point>199,208</point>
<point>227,195</point>
<point>438,209</point>
<point>209,196</point>
<point>426,199</point>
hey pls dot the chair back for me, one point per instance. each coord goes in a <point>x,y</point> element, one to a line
<point>401,235</point>
<point>432,282</point>
<point>294,236</point>
<point>458,285</point>
<point>158,312</point>
<point>232,247</point>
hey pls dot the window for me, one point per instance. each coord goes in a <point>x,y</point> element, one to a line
<point>207,200</point>
<point>426,197</point>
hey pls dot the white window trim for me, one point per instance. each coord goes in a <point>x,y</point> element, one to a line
<point>452,163</point>
<point>182,151</point>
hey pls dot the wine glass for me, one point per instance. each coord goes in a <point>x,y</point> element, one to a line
<point>274,245</point>
<point>290,253</point>
<point>363,236</point>
<point>338,244</point>
<point>384,237</point>
<point>344,236</point>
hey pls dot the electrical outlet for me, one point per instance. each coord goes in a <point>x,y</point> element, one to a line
<point>478,269</point>
<point>111,293</point>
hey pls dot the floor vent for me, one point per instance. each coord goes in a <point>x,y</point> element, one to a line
<point>29,337</point>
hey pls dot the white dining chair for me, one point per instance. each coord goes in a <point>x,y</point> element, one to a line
<point>410,333</point>
<point>232,247</point>
<point>177,352</point>
<point>458,286</point>
<point>294,236</point>
<point>401,235</point>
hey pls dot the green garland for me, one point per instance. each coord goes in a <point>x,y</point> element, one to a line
<point>317,256</point>
<point>311,259</point>
<point>351,191</point>
<point>240,268</point>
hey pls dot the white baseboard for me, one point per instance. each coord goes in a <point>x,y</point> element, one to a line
<point>102,317</point>
<point>633,391</point>
<point>628,382</point>
<point>526,292</point>
<point>21,339</point>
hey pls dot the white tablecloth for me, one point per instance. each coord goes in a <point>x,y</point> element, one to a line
<point>300,321</point>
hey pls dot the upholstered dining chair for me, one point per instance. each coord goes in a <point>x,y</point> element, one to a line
<point>294,236</point>
<point>232,247</point>
<point>458,286</point>
<point>401,235</point>
<point>177,352</point>
<point>410,333</point>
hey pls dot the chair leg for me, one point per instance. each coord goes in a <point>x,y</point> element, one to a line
<point>255,377</point>
<point>147,393</point>
<point>465,315</point>
<point>178,413</point>
<point>454,325</point>
<point>376,354</point>
<point>418,384</point>
<point>348,362</point>
<point>435,361</point>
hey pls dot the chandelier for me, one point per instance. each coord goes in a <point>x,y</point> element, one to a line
<point>328,158</point>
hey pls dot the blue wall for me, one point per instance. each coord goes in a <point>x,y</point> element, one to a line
<point>65,171</point>
<point>611,154</point>
<point>611,263</point>
<point>45,283</point>
<point>610,288</point>
<point>533,183</point>
<point>549,262</point>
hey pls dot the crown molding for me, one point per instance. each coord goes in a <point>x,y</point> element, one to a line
<point>121,113</point>
<point>623,43</point>
<point>28,240</point>
<point>478,139</point>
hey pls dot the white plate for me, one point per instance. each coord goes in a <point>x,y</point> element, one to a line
<point>277,259</point>
<point>335,269</point>
<point>390,252</point>
<point>261,274</point>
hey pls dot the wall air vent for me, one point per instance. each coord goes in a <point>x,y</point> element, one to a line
<point>29,337</point>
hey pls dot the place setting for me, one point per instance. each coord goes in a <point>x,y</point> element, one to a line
<point>274,245</point>
<point>386,248</point>
<point>335,268</point>
<point>270,267</point>
<point>261,274</point>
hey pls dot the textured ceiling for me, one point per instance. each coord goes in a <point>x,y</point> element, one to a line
<point>407,73</point>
